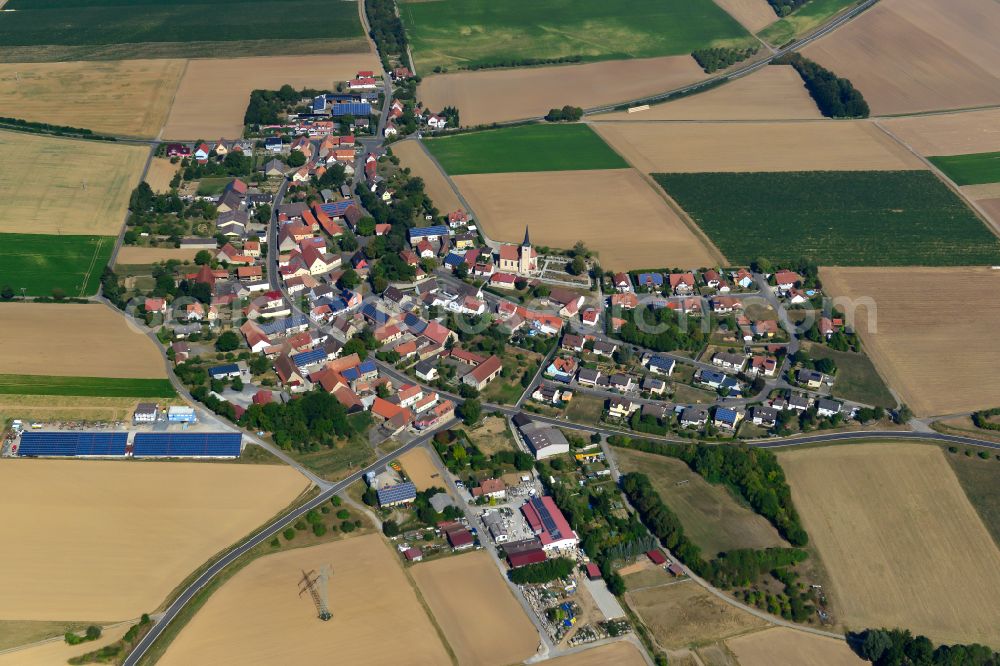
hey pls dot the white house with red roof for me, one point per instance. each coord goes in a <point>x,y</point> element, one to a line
<point>549,524</point>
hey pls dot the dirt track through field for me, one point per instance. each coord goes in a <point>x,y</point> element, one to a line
<point>901,542</point>
<point>412,155</point>
<point>768,94</point>
<point>213,95</point>
<point>110,540</point>
<point>756,146</point>
<point>934,335</point>
<point>65,186</point>
<point>615,212</point>
<point>949,133</point>
<point>121,97</point>
<point>484,623</point>
<point>907,56</point>
<point>258,617</point>
<point>754,15</point>
<point>511,94</point>
<point>74,341</point>
<point>782,646</point>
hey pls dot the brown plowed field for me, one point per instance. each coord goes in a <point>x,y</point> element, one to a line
<point>767,94</point>
<point>781,646</point>
<point>59,186</point>
<point>484,624</point>
<point>756,146</point>
<point>512,94</point>
<point>411,154</point>
<point>901,542</point>
<point>949,133</point>
<point>979,192</point>
<point>934,335</point>
<point>102,540</point>
<point>420,468</point>
<point>131,254</point>
<point>213,95</point>
<point>130,97</point>
<point>754,15</point>
<point>907,56</point>
<point>615,212</point>
<point>621,653</point>
<point>74,341</point>
<point>259,617</point>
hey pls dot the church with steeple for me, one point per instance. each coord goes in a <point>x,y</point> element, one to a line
<point>518,259</point>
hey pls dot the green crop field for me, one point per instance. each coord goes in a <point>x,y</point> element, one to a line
<point>974,169</point>
<point>88,29</point>
<point>475,33</point>
<point>41,263</point>
<point>835,218</point>
<point>548,147</point>
<point>107,387</point>
<point>808,17</point>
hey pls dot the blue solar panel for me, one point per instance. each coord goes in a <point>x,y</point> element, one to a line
<point>351,109</point>
<point>401,492</point>
<point>170,445</point>
<point>336,209</point>
<point>420,232</point>
<point>414,323</point>
<point>547,521</point>
<point>282,325</point>
<point>73,444</point>
<point>308,358</point>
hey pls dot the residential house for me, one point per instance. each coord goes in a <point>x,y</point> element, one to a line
<point>654,385</point>
<point>483,373</point>
<point>682,284</point>
<point>694,417</point>
<point>827,407</point>
<point>622,283</point>
<point>764,416</point>
<point>727,361</point>
<point>588,377</point>
<point>810,378</point>
<point>621,408</point>
<point>726,418</point>
<point>562,369</point>
<point>662,365</point>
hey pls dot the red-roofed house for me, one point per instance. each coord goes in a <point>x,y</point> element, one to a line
<point>682,283</point>
<point>155,305</point>
<point>526,557</point>
<point>483,373</point>
<point>656,557</point>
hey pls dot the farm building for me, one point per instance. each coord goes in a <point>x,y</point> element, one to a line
<point>526,557</point>
<point>145,412</point>
<point>401,493</point>
<point>483,373</point>
<point>179,414</point>
<point>542,440</point>
<point>548,523</point>
<point>656,557</point>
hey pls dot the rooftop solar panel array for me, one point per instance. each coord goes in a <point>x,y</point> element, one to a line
<point>351,109</point>
<point>547,521</point>
<point>172,445</point>
<point>308,357</point>
<point>401,492</point>
<point>73,443</point>
<point>337,208</point>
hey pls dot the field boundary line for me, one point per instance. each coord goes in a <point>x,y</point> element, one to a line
<point>994,227</point>
<point>90,268</point>
<point>170,106</point>
<point>154,146</point>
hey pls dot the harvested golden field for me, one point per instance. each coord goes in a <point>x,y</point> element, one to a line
<point>160,173</point>
<point>620,653</point>
<point>907,56</point>
<point>121,97</point>
<point>126,533</point>
<point>213,95</point>
<point>992,209</point>
<point>420,468</point>
<point>511,94</point>
<point>258,616</point>
<point>66,186</point>
<point>135,255</point>
<point>680,614</point>
<point>979,192</point>
<point>56,652</point>
<point>781,646</point>
<point>412,155</point>
<point>79,341</point>
<point>711,516</point>
<point>957,133</point>
<point>484,624</point>
<point>754,15</point>
<point>933,333</point>
<point>756,146</point>
<point>768,94</point>
<point>564,207</point>
<point>883,517</point>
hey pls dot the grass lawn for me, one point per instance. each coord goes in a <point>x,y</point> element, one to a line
<point>585,408</point>
<point>111,387</point>
<point>350,454</point>
<point>42,263</point>
<point>808,17</point>
<point>86,25</point>
<point>856,379</point>
<point>507,390</point>
<point>474,33</point>
<point>974,169</point>
<point>837,218</point>
<point>542,147</point>
<point>980,480</point>
<point>710,514</point>
<point>212,185</point>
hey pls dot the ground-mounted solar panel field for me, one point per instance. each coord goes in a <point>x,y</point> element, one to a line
<point>837,218</point>
<point>51,30</point>
<point>469,33</point>
<point>186,444</point>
